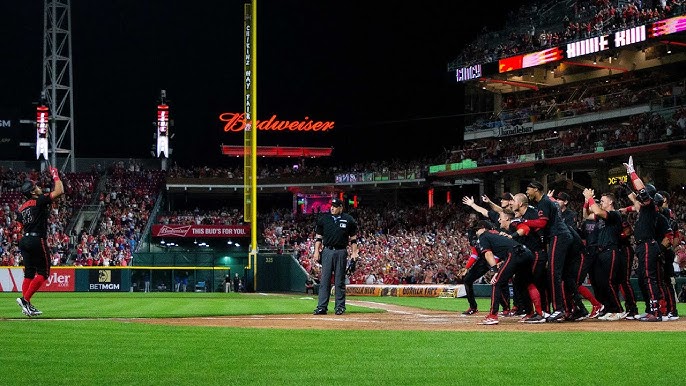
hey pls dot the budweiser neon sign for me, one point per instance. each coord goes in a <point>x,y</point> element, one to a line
<point>236,122</point>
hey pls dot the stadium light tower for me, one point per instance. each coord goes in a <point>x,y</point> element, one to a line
<point>58,79</point>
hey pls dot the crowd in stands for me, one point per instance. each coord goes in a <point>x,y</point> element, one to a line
<point>126,202</point>
<point>585,138</point>
<point>223,216</point>
<point>293,168</point>
<point>623,90</point>
<point>586,18</point>
<point>659,125</point>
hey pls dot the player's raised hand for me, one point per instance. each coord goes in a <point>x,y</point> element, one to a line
<point>469,201</point>
<point>630,165</point>
<point>54,173</point>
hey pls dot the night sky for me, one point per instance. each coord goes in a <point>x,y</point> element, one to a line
<point>376,68</point>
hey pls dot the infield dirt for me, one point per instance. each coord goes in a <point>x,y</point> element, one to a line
<point>409,318</point>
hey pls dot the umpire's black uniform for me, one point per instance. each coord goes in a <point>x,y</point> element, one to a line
<point>334,231</point>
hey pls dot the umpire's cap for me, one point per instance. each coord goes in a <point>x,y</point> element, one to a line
<point>27,188</point>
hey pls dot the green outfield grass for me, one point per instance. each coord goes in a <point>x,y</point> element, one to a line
<point>94,351</point>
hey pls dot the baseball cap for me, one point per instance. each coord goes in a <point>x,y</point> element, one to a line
<point>336,202</point>
<point>535,185</point>
<point>562,196</point>
<point>507,196</point>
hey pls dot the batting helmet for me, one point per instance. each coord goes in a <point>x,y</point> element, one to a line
<point>647,193</point>
<point>27,188</point>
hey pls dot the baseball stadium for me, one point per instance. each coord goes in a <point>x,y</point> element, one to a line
<point>551,233</point>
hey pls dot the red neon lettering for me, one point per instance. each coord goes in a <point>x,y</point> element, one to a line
<point>236,122</point>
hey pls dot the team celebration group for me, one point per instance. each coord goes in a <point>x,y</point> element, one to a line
<point>532,241</point>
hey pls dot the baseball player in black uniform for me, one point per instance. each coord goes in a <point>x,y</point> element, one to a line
<point>625,285</point>
<point>533,240</point>
<point>33,216</point>
<point>574,306</point>
<point>516,260</point>
<point>515,229</point>
<point>587,266</point>
<point>478,266</point>
<point>664,235</point>
<point>646,247</point>
<point>333,233</point>
<point>558,238</point>
<point>608,267</point>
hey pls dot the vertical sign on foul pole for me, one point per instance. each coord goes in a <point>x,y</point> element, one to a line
<point>247,96</point>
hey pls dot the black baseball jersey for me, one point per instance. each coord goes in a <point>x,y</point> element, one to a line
<point>497,244</point>
<point>576,239</point>
<point>493,216</point>
<point>588,233</point>
<point>336,230</point>
<point>551,211</point>
<point>644,227</point>
<point>609,229</point>
<point>569,217</point>
<point>671,218</point>
<point>662,227</point>
<point>34,213</point>
<point>530,238</point>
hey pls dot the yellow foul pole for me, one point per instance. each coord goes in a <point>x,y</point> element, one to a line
<point>250,134</point>
<point>253,141</point>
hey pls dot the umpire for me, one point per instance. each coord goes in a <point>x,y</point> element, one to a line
<point>33,216</point>
<point>333,234</point>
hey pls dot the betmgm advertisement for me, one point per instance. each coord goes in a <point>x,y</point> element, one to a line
<point>104,280</point>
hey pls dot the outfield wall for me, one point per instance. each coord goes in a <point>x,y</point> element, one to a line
<point>274,273</point>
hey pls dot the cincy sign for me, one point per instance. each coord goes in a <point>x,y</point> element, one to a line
<point>235,122</point>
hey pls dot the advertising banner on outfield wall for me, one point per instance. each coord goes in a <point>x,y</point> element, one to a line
<point>416,290</point>
<point>104,280</point>
<point>368,290</point>
<point>59,280</point>
<point>201,230</point>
